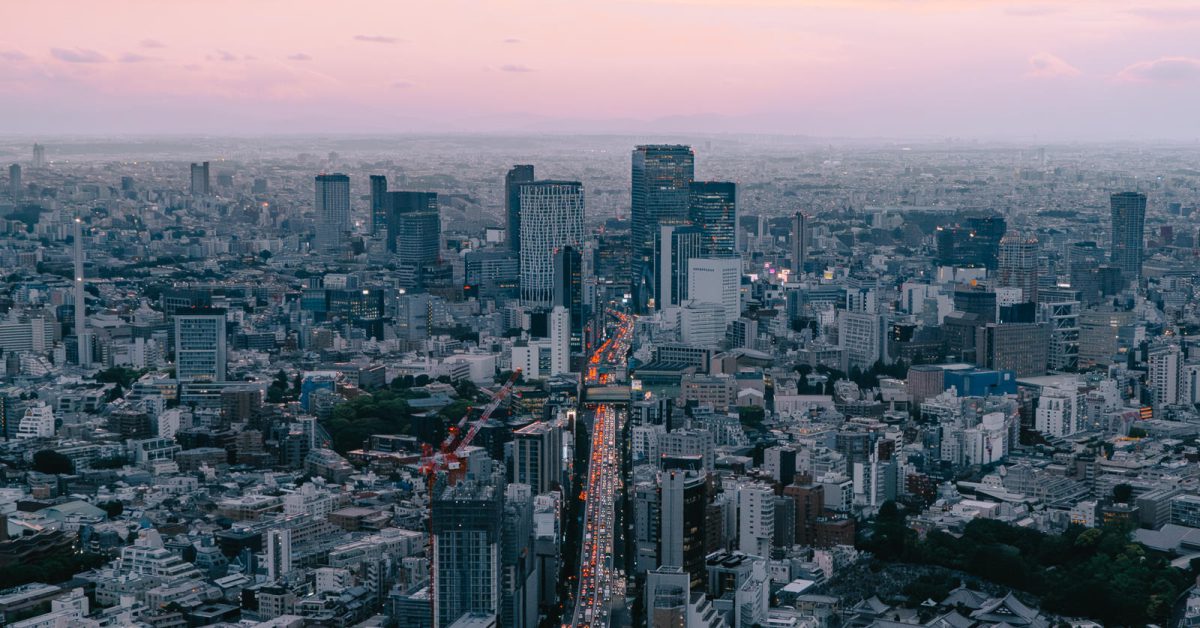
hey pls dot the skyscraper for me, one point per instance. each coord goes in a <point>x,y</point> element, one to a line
<point>568,293</point>
<point>200,352</point>
<point>713,208</point>
<point>1128,222</point>
<point>39,155</point>
<point>279,552</point>
<point>466,521</point>
<point>674,246</point>
<point>333,211</point>
<point>682,508</point>
<point>661,180</point>
<point>551,218</point>
<point>512,202</point>
<point>14,181</point>
<point>1019,265</point>
<point>379,215</point>
<point>801,241</point>
<point>537,456</point>
<point>414,228</point>
<point>200,179</point>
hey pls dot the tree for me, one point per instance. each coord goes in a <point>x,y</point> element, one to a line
<point>51,462</point>
<point>752,415</point>
<point>114,508</point>
<point>265,255</point>
<point>1122,493</point>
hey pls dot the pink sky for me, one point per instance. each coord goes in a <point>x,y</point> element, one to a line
<point>982,68</point>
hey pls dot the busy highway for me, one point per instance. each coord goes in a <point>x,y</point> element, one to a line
<point>597,576</point>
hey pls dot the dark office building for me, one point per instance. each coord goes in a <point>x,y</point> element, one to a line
<point>414,228</point>
<point>379,214</point>
<point>568,292</point>
<point>979,302</point>
<point>674,245</point>
<point>467,520</point>
<point>512,202</point>
<point>1019,347</point>
<point>1128,223</point>
<point>713,208</point>
<point>661,178</point>
<point>973,242</point>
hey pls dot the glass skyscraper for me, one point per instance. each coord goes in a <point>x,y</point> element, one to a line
<point>551,218</point>
<point>662,176</point>
<point>512,202</point>
<point>1128,223</point>
<point>333,211</point>
<point>713,208</point>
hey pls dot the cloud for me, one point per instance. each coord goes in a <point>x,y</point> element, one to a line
<point>512,40</point>
<point>1167,14</point>
<point>13,55</point>
<point>77,55</point>
<point>151,43</point>
<point>225,56</point>
<point>1030,11</point>
<point>376,39</point>
<point>133,57</point>
<point>403,84</point>
<point>1162,70</point>
<point>299,56</point>
<point>512,67</point>
<point>1046,65</point>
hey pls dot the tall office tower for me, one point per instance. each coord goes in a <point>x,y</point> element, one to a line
<point>662,175</point>
<point>756,519</point>
<point>1019,265</point>
<point>712,206</point>
<point>1128,222</point>
<point>674,246</point>
<point>14,181</point>
<point>522,173</point>
<point>976,301</point>
<point>975,242</point>
<point>466,520</point>
<point>1164,362</point>
<point>551,218</point>
<point>401,204</point>
<point>1059,309</point>
<point>801,241</point>
<point>81,334</point>
<point>200,344</point>
<point>717,280</point>
<point>1083,262</point>
<point>568,293</point>
<point>333,211</point>
<point>200,179</point>
<point>559,322</point>
<point>278,552</point>
<point>683,497</point>
<point>537,456</point>
<point>379,199</point>
<point>39,155</point>
<point>863,338</point>
<point>414,228</point>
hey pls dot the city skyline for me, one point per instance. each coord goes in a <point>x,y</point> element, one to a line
<point>1052,70</point>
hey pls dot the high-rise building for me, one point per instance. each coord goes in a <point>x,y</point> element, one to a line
<point>683,497</point>
<point>756,519</point>
<point>1019,265</point>
<point>717,280</point>
<point>409,237</point>
<point>14,181</point>
<point>863,338</point>
<point>537,456</point>
<point>379,214</point>
<point>559,321</point>
<point>568,294</point>
<point>1018,347</point>
<point>713,208</point>
<point>39,155</point>
<point>674,246</point>
<point>1164,363</point>
<point>278,549</point>
<point>974,242</point>
<point>801,241</point>
<point>518,174</point>
<point>551,218</point>
<point>84,339</point>
<point>200,345</point>
<point>661,180</point>
<point>467,522</point>
<point>1128,223</point>
<point>200,181</point>
<point>333,211</point>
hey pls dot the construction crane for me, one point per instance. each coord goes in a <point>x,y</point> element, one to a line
<point>447,459</point>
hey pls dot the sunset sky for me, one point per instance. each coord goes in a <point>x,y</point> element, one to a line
<point>1094,69</point>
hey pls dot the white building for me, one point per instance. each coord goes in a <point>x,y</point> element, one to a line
<point>702,324</point>
<point>863,337</point>
<point>279,552</point>
<point>38,422</point>
<point>756,519</point>
<point>1163,376</point>
<point>551,218</point>
<point>717,280</point>
<point>1059,412</point>
<point>560,340</point>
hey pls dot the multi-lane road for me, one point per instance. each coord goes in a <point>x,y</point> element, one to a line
<point>597,577</point>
